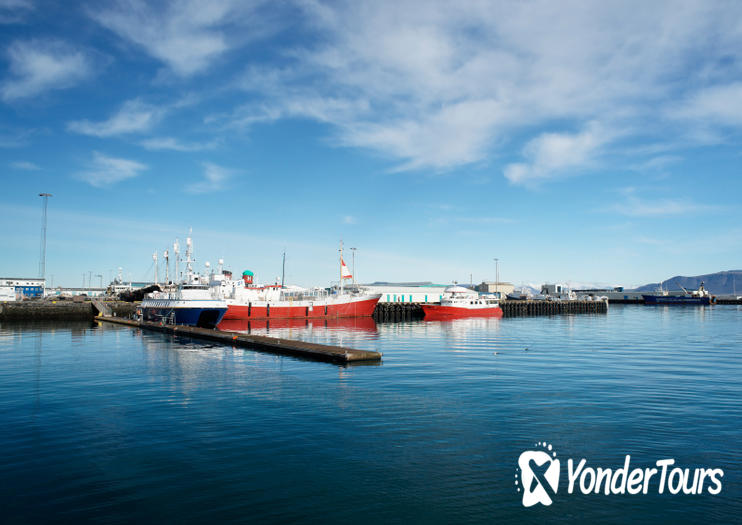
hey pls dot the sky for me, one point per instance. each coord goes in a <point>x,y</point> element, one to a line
<point>578,142</point>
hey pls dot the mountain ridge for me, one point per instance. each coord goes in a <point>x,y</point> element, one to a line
<point>726,282</point>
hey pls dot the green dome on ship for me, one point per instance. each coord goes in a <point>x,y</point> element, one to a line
<point>248,273</point>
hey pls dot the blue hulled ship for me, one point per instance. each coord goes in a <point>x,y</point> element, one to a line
<point>694,297</point>
<point>191,303</point>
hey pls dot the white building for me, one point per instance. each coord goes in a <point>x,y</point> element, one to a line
<point>71,292</point>
<point>424,292</point>
<point>22,286</point>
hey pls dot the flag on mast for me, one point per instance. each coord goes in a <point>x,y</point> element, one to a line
<point>344,272</point>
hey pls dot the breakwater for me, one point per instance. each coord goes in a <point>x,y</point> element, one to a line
<point>392,312</point>
<point>60,310</point>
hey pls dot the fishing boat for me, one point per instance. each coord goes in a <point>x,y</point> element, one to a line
<point>249,301</point>
<point>191,302</point>
<point>693,297</point>
<point>458,301</point>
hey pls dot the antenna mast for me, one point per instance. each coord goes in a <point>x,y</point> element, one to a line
<point>166,255</point>
<point>176,251</point>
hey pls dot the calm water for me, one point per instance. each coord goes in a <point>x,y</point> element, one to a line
<point>110,424</point>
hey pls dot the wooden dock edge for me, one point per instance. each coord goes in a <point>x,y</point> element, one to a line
<point>337,354</point>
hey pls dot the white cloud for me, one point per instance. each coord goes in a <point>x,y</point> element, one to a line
<point>634,206</point>
<point>171,143</point>
<point>41,65</point>
<point>552,154</point>
<point>24,165</point>
<point>105,171</point>
<point>12,11</point>
<point>436,85</point>
<point>215,179</point>
<point>187,35</point>
<point>721,104</point>
<point>134,116</point>
<point>349,219</point>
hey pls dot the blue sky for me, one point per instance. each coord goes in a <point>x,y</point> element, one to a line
<point>583,142</point>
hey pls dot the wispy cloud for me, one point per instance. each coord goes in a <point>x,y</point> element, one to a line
<point>186,35</point>
<point>24,165</point>
<point>432,85</point>
<point>13,11</point>
<point>349,219</point>
<point>41,65</point>
<point>106,171</point>
<point>134,116</point>
<point>215,178</point>
<point>552,154</point>
<point>719,104</point>
<point>174,144</point>
<point>635,206</point>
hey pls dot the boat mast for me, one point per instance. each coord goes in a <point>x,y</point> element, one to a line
<point>342,288</point>
<point>154,258</point>
<point>176,251</point>
<point>166,255</point>
<point>189,261</point>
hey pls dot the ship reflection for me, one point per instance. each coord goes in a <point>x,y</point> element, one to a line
<point>350,324</point>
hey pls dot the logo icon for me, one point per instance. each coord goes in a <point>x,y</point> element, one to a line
<point>537,476</point>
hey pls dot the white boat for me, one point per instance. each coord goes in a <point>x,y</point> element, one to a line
<point>458,301</point>
<point>192,302</point>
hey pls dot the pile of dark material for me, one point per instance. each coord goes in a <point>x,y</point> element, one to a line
<point>131,296</point>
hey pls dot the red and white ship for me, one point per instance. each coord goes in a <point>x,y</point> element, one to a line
<point>458,301</point>
<point>247,301</point>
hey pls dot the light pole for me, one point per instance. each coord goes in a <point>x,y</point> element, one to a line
<point>354,267</point>
<point>497,276</point>
<point>42,261</point>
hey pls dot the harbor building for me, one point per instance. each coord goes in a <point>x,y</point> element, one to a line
<point>60,291</point>
<point>495,287</point>
<point>20,287</point>
<point>413,292</point>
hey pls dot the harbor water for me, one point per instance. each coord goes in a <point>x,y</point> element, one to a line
<point>111,424</point>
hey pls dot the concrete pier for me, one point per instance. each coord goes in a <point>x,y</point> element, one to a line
<point>337,354</point>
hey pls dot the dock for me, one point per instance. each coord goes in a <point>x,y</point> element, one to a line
<point>392,312</point>
<point>274,345</point>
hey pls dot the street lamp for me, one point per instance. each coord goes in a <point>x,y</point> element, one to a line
<point>42,261</point>
<point>497,276</point>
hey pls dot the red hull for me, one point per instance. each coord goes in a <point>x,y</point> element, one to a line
<point>350,309</point>
<point>436,311</point>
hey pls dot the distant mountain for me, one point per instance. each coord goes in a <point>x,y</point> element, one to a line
<point>719,283</point>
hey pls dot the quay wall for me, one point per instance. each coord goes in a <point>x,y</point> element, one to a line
<point>60,310</point>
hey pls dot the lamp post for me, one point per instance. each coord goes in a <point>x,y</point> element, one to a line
<point>497,276</point>
<point>42,261</point>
